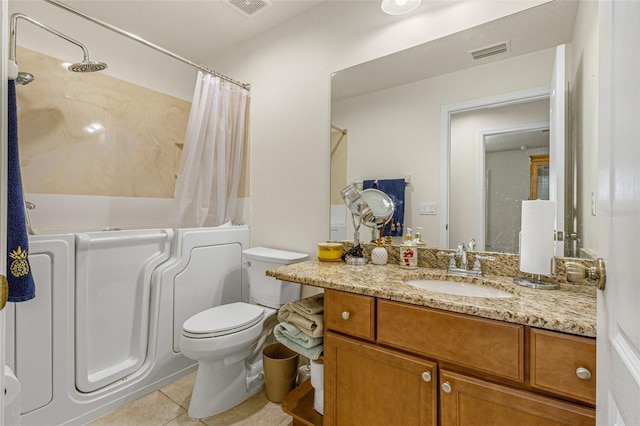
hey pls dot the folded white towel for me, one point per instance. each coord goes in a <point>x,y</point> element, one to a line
<point>310,305</point>
<point>293,333</point>
<point>282,333</point>
<point>307,314</point>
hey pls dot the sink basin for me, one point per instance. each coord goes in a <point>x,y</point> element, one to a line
<point>459,289</point>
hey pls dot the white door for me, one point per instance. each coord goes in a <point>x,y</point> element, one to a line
<point>556,143</point>
<point>618,378</point>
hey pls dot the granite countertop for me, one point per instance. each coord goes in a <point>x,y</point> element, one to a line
<point>569,309</point>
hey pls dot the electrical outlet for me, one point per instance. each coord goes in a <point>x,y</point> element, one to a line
<point>428,208</point>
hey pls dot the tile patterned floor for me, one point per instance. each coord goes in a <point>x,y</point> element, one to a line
<point>168,407</point>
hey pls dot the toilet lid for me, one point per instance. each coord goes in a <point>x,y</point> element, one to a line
<point>222,320</point>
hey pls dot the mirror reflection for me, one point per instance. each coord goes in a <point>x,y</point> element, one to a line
<point>440,119</point>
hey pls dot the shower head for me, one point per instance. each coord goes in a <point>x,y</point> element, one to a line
<point>25,78</point>
<point>87,66</point>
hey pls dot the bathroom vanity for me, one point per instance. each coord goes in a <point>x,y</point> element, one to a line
<point>397,354</point>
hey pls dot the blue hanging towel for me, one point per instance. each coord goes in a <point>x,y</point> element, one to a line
<point>394,188</point>
<point>21,285</point>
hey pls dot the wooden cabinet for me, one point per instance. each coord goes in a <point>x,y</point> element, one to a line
<point>370,385</point>
<point>466,400</point>
<point>391,363</point>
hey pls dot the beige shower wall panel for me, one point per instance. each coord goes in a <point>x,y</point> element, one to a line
<point>93,134</point>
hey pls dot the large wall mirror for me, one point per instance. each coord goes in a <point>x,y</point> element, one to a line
<point>464,119</point>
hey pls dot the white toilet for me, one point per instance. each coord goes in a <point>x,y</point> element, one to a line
<point>227,340</point>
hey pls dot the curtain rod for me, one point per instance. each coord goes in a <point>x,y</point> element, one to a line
<point>343,131</point>
<point>145,42</point>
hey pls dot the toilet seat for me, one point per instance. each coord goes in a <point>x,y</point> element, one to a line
<point>222,320</point>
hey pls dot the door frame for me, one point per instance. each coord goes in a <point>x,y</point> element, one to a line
<point>446,113</point>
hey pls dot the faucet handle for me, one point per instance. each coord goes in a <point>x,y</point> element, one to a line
<point>472,244</point>
<point>477,266</point>
<point>451,256</point>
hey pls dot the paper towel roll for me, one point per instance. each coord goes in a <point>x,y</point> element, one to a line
<point>317,374</point>
<point>317,381</point>
<point>536,236</point>
<point>318,400</point>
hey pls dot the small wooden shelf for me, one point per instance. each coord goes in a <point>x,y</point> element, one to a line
<point>299,405</point>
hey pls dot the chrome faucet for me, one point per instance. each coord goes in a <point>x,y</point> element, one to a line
<point>461,252</point>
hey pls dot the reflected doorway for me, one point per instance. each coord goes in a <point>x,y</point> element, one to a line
<point>513,170</point>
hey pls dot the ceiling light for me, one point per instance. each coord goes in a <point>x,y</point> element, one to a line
<point>399,7</point>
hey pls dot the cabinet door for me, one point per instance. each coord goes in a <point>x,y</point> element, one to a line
<point>369,385</point>
<point>468,401</point>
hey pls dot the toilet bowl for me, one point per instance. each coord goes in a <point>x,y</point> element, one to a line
<point>228,355</point>
<point>227,340</point>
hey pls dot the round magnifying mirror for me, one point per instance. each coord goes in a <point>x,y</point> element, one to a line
<point>381,206</point>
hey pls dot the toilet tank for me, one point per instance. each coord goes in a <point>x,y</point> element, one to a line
<point>264,290</point>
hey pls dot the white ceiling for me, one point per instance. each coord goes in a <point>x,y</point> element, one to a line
<point>508,141</point>
<point>534,29</point>
<point>194,29</point>
<point>199,30</point>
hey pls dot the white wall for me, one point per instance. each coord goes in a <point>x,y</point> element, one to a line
<point>584,99</point>
<point>289,70</point>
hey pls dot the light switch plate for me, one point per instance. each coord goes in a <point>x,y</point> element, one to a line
<point>428,208</point>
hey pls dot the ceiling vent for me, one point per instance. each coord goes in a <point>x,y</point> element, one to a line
<point>494,49</point>
<point>249,8</point>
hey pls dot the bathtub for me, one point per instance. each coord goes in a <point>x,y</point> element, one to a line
<point>104,326</point>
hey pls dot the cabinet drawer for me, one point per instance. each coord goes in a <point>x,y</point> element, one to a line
<point>489,346</point>
<point>555,360</point>
<point>348,313</point>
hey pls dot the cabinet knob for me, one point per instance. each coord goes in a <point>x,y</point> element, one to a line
<point>426,376</point>
<point>346,315</point>
<point>446,387</point>
<point>583,373</point>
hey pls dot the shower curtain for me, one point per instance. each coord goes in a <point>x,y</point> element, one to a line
<point>211,162</point>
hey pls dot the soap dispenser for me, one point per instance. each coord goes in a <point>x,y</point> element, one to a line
<point>418,237</point>
<point>409,252</point>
